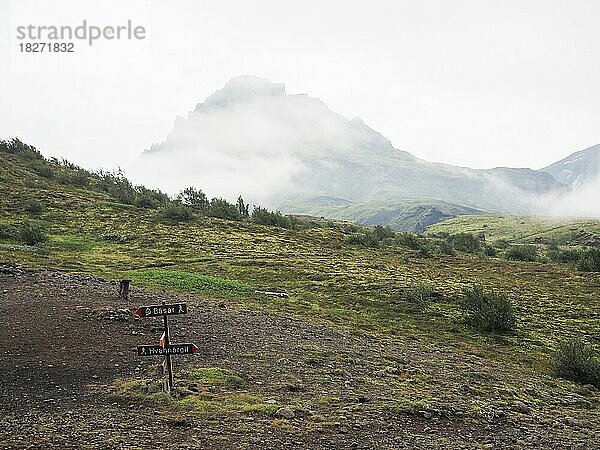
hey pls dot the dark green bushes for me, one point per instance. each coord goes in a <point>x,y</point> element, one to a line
<point>223,210</point>
<point>584,259</point>
<point>43,169</point>
<point>576,361</point>
<point>488,311</point>
<point>176,212</point>
<point>7,231</point>
<point>195,199</point>
<point>34,207</point>
<point>590,260</point>
<point>408,240</point>
<point>266,217</point>
<point>522,253</point>
<point>373,237</point>
<point>14,146</point>
<point>31,234</point>
<point>465,242</point>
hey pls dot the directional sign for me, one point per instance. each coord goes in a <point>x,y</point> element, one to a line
<point>171,349</point>
<point>162,310</point>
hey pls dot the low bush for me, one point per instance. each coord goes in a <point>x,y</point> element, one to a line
<point>33,207</point>
<point>265,217</point>
<point>176,212</point>
<point>446,248</point>
<point>31,234</point>
<point>488,311</point>
<point>522,253</point>
<point>465,242</point>
<point>489,250</point>
<point>42,169</point>
<point>567,255</point>
<point>576,361</point>
<point>373,237</point>
<point>408,240</point>
<point>590,260</point>
<point>501,244</point>
<point>7,231</point>
<point>223,209</point>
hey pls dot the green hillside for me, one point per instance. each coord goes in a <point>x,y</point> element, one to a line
<point>406,215</point>
<point>406,296</point>
<point>524,230</point>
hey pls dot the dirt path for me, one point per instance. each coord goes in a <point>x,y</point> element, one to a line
<point>63,338</point>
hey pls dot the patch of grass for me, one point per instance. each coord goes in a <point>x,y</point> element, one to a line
<point>191,282</point>
<point>215,376</point>
<point>137,390</point>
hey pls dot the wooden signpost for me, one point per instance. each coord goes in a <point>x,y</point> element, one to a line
<point>165,347</point>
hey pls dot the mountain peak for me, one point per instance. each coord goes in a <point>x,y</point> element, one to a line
<point>577,169</point>
<point>244,87</point>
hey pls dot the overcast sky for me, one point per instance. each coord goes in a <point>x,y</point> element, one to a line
<point>477,83</point>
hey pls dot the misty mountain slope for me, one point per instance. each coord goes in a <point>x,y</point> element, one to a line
<point>407,215</point>
<point>577,169</point>
<point>280,150</point>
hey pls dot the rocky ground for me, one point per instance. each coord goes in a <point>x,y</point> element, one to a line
<point>66,340</point>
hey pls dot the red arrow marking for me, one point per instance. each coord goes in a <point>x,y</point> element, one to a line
<point>194,348</point>
<point>139,312</point>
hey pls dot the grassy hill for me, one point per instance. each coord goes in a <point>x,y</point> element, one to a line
<point>407,215</point>
<point>403,296</point>
<point>524,230</point>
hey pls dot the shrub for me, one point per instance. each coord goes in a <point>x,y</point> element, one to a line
<point>364,239</point>
<point>6,231</point>
<point>42,169</point>
<point>465,242</point>
<point>74,177</point>
<point>194,198</point>
<point>176,212</point>
<point>569,255</point>
<point>522,253</point>
<point>264,217</point>
<point>146,201</point>
<point>576,361</point>
<point>489,250</point>
<point>382,233</point>
<point>408,240</point>
<point>420,296</point>
<point>373,237</point>
<point>34,207</point>
<point>223,209</point>
<point>31,234</point>
<point>16,147</point>
<point>446,248</point>
<point>502,244</point>
<point>590,260</point>
<point>488,311</point>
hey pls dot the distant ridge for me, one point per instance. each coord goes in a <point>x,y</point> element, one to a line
<point>287,150</point>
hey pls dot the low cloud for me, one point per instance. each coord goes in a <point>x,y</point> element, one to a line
<point>583,202</point>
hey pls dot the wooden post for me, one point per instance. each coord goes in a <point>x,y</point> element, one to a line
<point>124,289</point>
<point>168,363</point>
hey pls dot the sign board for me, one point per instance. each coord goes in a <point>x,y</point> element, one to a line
<point>171,349</point>
<point>162,310</point>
